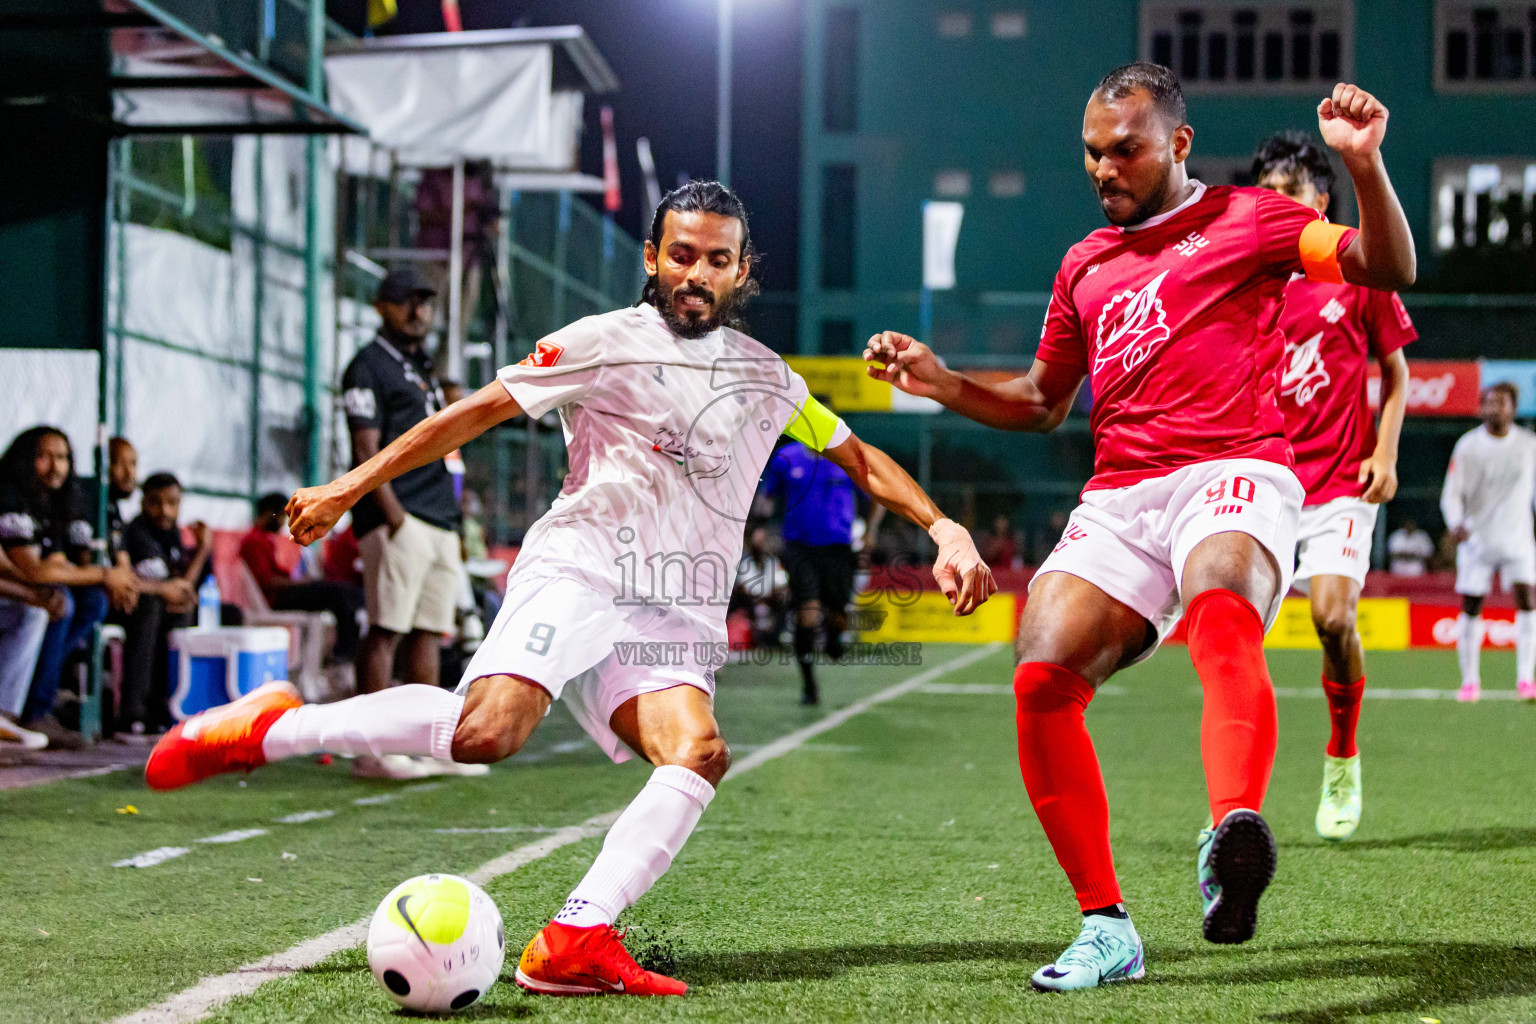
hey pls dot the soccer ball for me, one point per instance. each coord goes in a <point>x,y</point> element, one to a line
<point>436,943</point>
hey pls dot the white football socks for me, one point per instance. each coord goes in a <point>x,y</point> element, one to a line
<point>414,719</point>
<point>639,847</point>
<point>1525,646</point>
<point>1469,642</point>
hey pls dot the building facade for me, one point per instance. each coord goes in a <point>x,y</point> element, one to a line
<point>980,102</point>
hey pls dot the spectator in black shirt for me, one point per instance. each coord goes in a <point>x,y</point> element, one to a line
<point>406,531</point>
<point>169,576</point>
<point>122,481</point>
<point>45,533</point>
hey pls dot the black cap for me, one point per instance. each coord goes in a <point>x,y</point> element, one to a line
<point>402,284</point>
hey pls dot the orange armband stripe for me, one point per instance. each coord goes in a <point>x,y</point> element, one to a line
<point>1319,247</point>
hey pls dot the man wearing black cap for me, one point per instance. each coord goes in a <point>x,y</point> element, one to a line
<point>406,530</point>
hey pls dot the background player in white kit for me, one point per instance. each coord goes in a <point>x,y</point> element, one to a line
<point>617,602</point>
<point>1487,501</point>
<point>1347,463</point>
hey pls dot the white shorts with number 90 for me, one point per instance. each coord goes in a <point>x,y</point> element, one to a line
<point>1132,542</point>
<point>582,647</point>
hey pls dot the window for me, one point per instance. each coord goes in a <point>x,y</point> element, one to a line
<point>954,25</point>
<point>1008,25</point>
<point>1486,203</point>
<point>836,338</point>
<point>840,71</point>
<point>952,184</point>
<point>838,222</point>
<point>1007,184</point>
<point>1485,47</point>
<point>1256,46</point>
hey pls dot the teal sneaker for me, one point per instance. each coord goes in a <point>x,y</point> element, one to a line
<point>1235,864</point>
<point>1338,812</point>
<point>1106,950</point>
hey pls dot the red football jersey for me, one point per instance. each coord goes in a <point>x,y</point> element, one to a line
<point>1175,322</point>
<point>1331,330</point>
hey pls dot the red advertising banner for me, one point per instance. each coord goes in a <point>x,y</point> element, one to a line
<point>1436,387</point>
<point>1435,626</point>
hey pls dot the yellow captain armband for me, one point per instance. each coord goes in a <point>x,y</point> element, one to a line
<point>1320,251</point>
<point>814,425</point>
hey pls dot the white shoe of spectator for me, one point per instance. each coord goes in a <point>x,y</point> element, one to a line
<point>435,766</point>
<point>390,766</point>
<point>10,732</point>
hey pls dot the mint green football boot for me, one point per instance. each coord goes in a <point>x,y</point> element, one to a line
<point>1105,951</point>
<point>1234,865</point>
<point>1338,812</point>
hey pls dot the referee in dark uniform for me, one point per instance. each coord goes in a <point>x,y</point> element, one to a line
<point>407,531</point>
<point>818,503</point>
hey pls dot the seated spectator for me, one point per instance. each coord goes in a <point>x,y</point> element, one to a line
<point>762,589</point>
<point>44,531</point>
<point>122,482</point>
<point>1409,550</point>
<point>343,561</point>
<point>25,612</point>
<point>999,549</point>
<point>258,550</point>
<point>169,576</point>
<point>1047,536</point>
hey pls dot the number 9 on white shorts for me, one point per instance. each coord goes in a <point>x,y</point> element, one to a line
<point>591,651</point>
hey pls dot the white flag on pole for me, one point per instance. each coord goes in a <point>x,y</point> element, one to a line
<point>941,232</point>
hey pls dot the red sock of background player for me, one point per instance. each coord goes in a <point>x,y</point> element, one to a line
<point>1238,726</point>
<point>1343,712</point>
<point>1061,772</point>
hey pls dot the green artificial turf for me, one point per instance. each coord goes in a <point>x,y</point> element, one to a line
<point>890,870</point>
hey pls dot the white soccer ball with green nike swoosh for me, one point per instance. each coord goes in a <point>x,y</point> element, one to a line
<point>436,943</point>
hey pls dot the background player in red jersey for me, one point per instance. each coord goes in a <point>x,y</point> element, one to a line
<point>1171,313</point>
<point>1332,328</point>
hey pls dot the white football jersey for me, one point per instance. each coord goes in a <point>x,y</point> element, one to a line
<point>667,438</point>
<point>1490,488</point>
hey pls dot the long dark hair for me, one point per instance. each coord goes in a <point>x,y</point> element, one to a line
<point>706,197</point>
<point>17,470</point>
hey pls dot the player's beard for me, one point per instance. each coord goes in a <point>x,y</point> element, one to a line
<point>1147,207</point>
<point>696,325</point>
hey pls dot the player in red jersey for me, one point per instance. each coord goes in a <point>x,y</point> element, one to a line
<point>1172,313</point>
<point>1332,329</point>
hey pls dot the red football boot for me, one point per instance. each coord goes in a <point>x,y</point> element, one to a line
<point>566,961</point>
<point>223,739</point>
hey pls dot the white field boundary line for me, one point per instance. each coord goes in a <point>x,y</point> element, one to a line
<point>1114,690</point>
<point>159,855</point>
<point>1005,689</point>
<point>199,1001</point>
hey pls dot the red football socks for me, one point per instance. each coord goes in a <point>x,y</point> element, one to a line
<point>1238,727</point>
<point>1061,773</point>
<point>1343,712</point>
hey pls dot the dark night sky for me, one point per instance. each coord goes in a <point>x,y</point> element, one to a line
<point>664,54</point>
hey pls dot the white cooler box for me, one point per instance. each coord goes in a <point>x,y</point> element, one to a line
<point>209,667</point>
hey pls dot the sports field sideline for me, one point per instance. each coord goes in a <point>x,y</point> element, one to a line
<point>888,868</point>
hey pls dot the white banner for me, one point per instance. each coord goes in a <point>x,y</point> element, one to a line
<point>434,106</point>
<point>941,233</point>
<point>53,387</point>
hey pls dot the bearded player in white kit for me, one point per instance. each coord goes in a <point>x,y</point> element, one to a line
<point>1487,504</point>
<point>617,602</point>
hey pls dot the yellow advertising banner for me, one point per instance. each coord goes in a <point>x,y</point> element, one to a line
<point>1382,621</point>
<point>926,618</point>
<point>841,380</point>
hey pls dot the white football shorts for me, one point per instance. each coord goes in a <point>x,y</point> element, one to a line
<point>1477,561</point>
<point>1132,542</point>
<point>589,651</point>
<point>1334,539</point>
